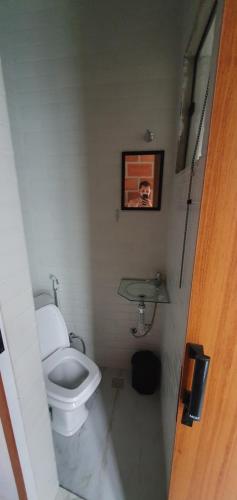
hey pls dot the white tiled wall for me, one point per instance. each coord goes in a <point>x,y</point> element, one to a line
<point>84,82</point>
<point>174,315</point>
<point>18,316</point>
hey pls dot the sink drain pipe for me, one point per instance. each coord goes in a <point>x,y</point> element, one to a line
<point>143,328</point>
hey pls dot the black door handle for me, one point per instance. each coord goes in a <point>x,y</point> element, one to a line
<point>193,400</point>
<point>2,348</point>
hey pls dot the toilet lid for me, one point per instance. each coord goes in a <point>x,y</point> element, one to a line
<point>52,330</point>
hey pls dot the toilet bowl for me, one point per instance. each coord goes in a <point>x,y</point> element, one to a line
<point>70,377</point>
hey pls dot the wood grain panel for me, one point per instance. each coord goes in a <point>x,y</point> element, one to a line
<point>205,456</point>
<point>11,444</point>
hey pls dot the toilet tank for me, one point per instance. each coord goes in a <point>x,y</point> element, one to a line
<point>52,330</point>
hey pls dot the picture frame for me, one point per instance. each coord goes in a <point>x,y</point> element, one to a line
<point>142,176</point>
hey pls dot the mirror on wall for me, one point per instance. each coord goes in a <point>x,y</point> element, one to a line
<point>142,173</point>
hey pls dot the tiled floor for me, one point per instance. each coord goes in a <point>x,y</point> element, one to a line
<point>118,454</point>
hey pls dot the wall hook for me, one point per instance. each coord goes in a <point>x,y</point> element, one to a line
<point>149,135</point>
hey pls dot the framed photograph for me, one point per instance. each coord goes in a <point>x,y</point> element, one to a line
<point>142,173</point>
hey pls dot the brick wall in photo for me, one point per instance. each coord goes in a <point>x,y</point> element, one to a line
<point>138,168</point>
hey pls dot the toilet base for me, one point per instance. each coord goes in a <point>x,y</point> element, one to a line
<point>68,423</point>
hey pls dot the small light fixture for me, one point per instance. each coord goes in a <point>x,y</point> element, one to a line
<point>149,135</point>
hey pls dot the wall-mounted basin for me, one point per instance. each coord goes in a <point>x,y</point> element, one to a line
<point>143,290</point>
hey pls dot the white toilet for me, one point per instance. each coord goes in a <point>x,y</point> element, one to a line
<point>70,376</point>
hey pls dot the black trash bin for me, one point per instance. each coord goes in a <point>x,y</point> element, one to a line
<point>145,372</point>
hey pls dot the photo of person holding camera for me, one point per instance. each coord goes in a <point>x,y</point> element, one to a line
<point>144,199</point>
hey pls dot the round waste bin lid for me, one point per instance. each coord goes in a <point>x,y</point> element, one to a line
<point>144,357</point>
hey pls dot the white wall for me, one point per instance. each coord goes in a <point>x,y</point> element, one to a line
<point>8,380</point>
<point>84,81</point>
<point>174,317</point>
<point>19,320</point>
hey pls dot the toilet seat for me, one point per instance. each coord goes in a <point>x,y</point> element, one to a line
<point>63,397</point>
<point>70,376</point>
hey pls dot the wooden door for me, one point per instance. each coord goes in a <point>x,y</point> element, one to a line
<point>5,421</point>
<point>204,463</point>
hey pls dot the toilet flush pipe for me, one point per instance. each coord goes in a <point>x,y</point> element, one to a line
<point>55,285</point>
<point>72,336</point>
<point>75,338</point>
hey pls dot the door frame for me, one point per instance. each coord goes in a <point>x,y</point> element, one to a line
<point>11,443</point>
<point>10,415</point>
